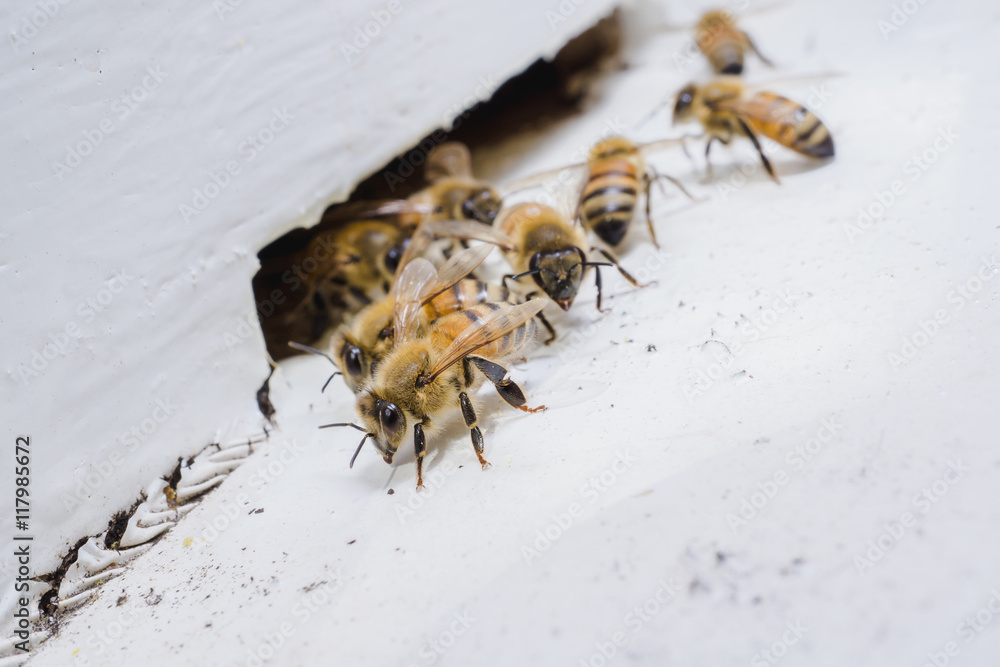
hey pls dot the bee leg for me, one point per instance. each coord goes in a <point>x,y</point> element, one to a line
<point>597,282</point>
<point>625,274</point>
<point>420,449</point>
<point>469,414</point>
<point>545,323</point>
<point>647,183</point>
<point>753,47</point>
<point>506,387</point>
<point>760,151</point>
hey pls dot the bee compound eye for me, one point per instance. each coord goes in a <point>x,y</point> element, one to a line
<point>469,209</point>
<point>390,416</point>
<point>352,360</point>
<point>392,258</point>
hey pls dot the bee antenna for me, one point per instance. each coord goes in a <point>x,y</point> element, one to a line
<point>327,383</point>
<point>358,450</point>
<point>313,350</point>
<point>652,114</point>
<point>597,264</point>
<point>354,426</point>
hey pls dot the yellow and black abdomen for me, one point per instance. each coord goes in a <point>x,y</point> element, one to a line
<point>609,198</point>
<point>465,294</point>
<point>788,123</point>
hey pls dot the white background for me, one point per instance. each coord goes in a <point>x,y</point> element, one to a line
<point>392,582</point>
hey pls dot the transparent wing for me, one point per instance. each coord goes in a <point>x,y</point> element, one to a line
<point>468,230</point>
<point>375,208</point>
<point>496,325</point>
<point>536,180</point>
<point>456,229</point>
<point>458,267</point>
<point>414,282</point>
<point>448,159</point>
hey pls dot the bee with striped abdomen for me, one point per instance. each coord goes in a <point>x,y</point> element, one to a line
<point>617,171</point>
<point>723,43</point>
<point>358,347</point>
<point>726,109</point>
<point>426,376</point>
<point>454,192</point>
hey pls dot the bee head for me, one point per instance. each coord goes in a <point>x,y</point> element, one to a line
<point>385,421</point>
<point>559,273</point>
<point>482,204</point>
<point>682,108</point>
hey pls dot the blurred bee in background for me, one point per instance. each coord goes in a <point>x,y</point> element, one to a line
<point>423,377</point>
<point>453,192</point>
<point>311,279</point>
<point>726,108</point>
<point>548,248</point>
<point>360,346</point>
<point>723,43</point>
<point>614,174</point>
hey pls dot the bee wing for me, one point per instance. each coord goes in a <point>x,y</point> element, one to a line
<point>375,208</point>
<point>468,230</point>
<point>414,282</point>
<point>456,229</point>
<point>784,121</point>
<point>494,326</point>
<point>536,180</point>
<point>663,144</point>
<point>448,159</point>
<point>458,267</point>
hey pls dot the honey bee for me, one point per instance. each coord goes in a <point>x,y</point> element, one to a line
<point>426,376</point>
<point>610,196</point>
<point>548,247</point>
<point>612,177</point>
<point>359,347</point>
<point>453,192</point>
<point>725,108</point>
<point>723,43</point>
<point>320,276</point>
